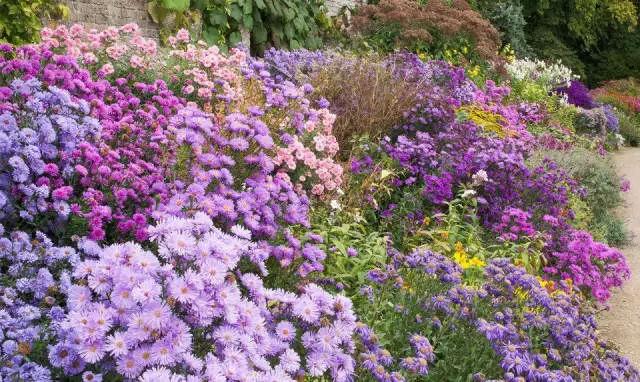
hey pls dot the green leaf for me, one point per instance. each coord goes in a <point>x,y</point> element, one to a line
<point>157,12</point>
<point>289,32</point>
<point>247,21</point>
<point>211,35</point>
<point>175,5</point>
<point>248,7</point>
<point>260,4</point>
<point>218,18</point>
<point>236,12</point>
<point>259,34</point>
<point>235,38</point>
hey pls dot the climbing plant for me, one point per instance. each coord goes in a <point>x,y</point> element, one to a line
<point>21,20</point>
<point>281,23</point>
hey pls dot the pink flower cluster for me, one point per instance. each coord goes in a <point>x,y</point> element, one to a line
<point>327,172</point>
<point>119,45</point>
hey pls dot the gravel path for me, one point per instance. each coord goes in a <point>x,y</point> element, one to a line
<point>621,324</point>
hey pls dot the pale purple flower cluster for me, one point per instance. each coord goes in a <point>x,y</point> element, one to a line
<point>149,314</point>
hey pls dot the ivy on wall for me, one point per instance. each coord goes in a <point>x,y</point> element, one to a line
<point>281,23</point>
<point>21,20</point>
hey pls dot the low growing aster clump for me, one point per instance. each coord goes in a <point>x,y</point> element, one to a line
<point>531,329</point>
<point>36,278</point>
<point>190,309</point>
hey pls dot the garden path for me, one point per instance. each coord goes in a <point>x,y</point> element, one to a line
<point>621,323</point>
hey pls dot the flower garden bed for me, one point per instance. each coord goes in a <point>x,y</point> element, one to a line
<point>180,214</point>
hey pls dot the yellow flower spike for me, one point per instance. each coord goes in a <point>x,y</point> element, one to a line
<point>426,221</point>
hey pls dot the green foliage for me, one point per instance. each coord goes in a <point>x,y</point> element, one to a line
<point>508,17</point>
<point>397,311</point>
<point>286,24</point>
<point>596,38</point>
<point>630,128</point>
<point>21,20</point>
<point>340,232</point>
<point>617,58</point>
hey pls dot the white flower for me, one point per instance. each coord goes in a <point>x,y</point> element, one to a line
<point>480,177</point>
<point>335,205</point>
<point>549,75</point>
<point>468,193</point>
<point>241,232</point>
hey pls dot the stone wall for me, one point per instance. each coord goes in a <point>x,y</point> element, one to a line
<point>100,14</point>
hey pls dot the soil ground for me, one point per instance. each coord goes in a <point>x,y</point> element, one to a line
<point>621,323</point>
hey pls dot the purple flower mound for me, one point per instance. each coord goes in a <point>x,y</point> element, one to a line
<point>613,122</point>
<point>578,94</point>
<point>571,349</point>
<point>36,278</point>
<point>144,312</point>
<point>591,265</point>
<point>39,129</point>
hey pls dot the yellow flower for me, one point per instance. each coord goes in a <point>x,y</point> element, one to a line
<point>476,262</point>
<point>521,294</point>
<point>462,259</point>
<point>547,284</point>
